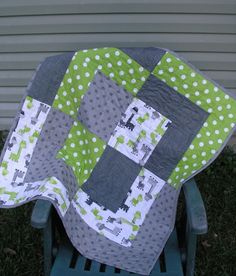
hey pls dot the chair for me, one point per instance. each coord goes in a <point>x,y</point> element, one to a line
<point>177,258</point>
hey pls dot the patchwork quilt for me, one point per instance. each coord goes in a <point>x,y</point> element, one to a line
<point>109,136</point>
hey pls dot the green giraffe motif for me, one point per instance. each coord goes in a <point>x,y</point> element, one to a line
<point>24,130</point>
<point>20,199</point>
<point>95,211</point>
<point>134,144</point>
<point>119,140</point>
<point>137,216</point>
<point>142,134</point>
<point>52,180</point>
<point>4,166</point>
<point>159,128</point>
<point>134,227</point>
<point>141,173</point>
<point>12,195</point>
<point>33,136</point>
<point>131,144</point>
<point>15,156</point>
<point>29,104</point>
<point>132,237</point>
<point>153,137</point>
<point>135,201</point>
<point>58,191</point>
<point>82,210</point>
<point>43,188</point>
<point>141,120</point>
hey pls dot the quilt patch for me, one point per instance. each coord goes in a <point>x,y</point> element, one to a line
<point>81,151</point>
<point>107,100</point>
<point>109,189</point>
<point>109,136</point>
<point>187,119</point>
<point>139,131</point>
<point>220,106</point>
<point>22,141</point>
<point>123,225</point>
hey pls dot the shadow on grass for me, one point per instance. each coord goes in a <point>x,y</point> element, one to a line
<point>21,245</point>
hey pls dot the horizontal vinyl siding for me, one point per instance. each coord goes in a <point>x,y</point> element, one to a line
<point>29,7</point>
<point>203,32</point>
<point>115,23</point>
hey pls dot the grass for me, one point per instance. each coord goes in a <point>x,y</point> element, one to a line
<point>217,250</point>
<point>21,245</point>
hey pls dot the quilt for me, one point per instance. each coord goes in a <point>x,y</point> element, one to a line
<point>109,135</point>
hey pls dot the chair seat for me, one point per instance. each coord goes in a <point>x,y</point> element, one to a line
<point>70,263</point>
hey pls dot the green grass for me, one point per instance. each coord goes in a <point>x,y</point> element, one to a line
<point>21,245</point>
<point>216,253</point>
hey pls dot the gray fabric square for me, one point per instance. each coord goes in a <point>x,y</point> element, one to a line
<point>103,105</point>
<point>48,78</point>
<point>147,57</point>
<point>43,163</point>
<point>109,188</point>
<point>187,119</point>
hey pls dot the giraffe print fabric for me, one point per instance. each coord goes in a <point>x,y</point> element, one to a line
<point>139,123</point>
<point>109,136</point>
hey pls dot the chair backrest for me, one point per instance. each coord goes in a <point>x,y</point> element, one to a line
<point>202,31</point>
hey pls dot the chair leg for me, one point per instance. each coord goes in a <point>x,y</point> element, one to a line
<point>191,243</point>
<point>48,245</point>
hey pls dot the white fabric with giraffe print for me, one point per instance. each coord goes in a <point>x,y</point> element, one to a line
<point>139,131</point>
<point>23,140</point>
<point>123,225</point>
<point>17,158</point>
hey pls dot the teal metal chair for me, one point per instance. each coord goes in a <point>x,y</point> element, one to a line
<point>177,258</point>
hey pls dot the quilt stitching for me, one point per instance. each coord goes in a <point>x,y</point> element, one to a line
<point>81,151</point>
<point>139,131</point>
<point>222,109</point>
<point>127,226</point>
<point>102,106</point>
<point>84,65</point>
<point>23,140</point>
<point>123,225</point>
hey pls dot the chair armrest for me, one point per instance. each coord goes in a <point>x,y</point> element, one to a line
<point>41,213</point>
<point>195,210</point>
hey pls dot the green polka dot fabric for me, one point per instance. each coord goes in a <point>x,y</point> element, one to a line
<point>82,150</point>
<point>210,97</point>
<point>108,136</point>
<point>112,62</point>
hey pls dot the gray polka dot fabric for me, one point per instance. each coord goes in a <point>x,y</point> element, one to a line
<point>44,162</point>
<point>104,100</point>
